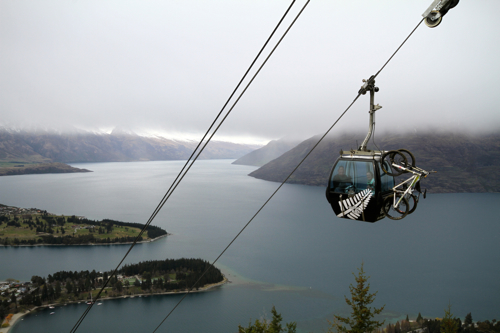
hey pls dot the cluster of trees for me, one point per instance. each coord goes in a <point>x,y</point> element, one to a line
<point>272,326</point>
<point>187,272</point>
<point>362,318</point>
<point>42,223</point>
<point>448,324</point>
<point>7,306</point>
<point>400,326</point>
<point>152,231</point>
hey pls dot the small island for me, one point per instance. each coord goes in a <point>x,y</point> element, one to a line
<point>156,277</point>
<point>30,227</point>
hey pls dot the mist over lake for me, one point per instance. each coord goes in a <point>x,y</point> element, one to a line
<point>295,255</point>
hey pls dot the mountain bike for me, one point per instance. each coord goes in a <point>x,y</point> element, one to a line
<point>403,201</point>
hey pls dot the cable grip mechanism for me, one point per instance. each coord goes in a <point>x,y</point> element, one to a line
<point>369,85</point>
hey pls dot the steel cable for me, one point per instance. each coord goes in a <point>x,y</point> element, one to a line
<point>179,177</point>
<point>280,186</point>
<point>184,171</point>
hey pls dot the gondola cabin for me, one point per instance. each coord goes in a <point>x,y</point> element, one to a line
<point>357,186</point>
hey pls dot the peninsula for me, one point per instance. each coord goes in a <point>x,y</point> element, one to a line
<point>15,168</point>
<point>30,227</point>
<point>156,277</point>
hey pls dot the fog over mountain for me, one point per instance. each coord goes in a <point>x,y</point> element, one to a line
<point>464,162</point>
<point>166,68</point>
<point>119,146</point>
<point>268,153</point>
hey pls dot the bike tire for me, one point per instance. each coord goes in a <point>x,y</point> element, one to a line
<point>409,156</point>
<point>395,213</point>
<point>396,157</point>
<point>412,203</point>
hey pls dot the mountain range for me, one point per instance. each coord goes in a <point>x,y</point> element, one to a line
<point>464,162</point>
<point>21,148</point>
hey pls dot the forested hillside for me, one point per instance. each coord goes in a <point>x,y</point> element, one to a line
<point>149,277</point>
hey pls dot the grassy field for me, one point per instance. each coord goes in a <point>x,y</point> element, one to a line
<point>25,231</point>
<point>27,160</point>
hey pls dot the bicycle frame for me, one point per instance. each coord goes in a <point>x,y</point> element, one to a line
<point>413,180</point>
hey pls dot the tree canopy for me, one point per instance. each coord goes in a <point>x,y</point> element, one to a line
<point>273,326</point>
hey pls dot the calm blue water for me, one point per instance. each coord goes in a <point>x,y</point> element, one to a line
<point>295,255</point>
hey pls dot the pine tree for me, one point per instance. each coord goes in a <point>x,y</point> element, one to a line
<point>57,290</point>
<point>397,328</point>
<point>448,324</point>
<point>420,320</point>
<point>361,316</point>
<point>468,319</point>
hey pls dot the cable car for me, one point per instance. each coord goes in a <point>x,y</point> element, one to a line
<point>358,186</point>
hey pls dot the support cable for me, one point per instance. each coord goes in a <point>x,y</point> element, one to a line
<point>280,186</point>
<point>181,174</point>
<point>255,215</point>
<point>212,265</point>
<point>400,46</point>
<point>173,187</point>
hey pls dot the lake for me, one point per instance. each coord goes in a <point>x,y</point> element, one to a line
<point>295,255</point>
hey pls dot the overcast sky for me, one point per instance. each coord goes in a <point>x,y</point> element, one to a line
<point>168,66</point>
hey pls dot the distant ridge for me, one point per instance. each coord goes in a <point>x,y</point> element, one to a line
<point>119,146</point>
<point>267,153</point>
<point>465,163</point>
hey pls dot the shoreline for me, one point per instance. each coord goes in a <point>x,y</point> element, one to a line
<point>19,316</point>
<point>89,244</point>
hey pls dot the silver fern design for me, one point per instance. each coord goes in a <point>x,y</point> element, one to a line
<point>353,207</point>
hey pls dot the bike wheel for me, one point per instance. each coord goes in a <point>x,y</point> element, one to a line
<point>393,157</point>
<point>412,203</point>
<point>409,156</point>
<point>395,213</point>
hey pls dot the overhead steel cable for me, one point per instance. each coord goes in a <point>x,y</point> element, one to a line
<point>167,195</point>
<point>184,171</point>
<point>400,46</point>
<point>236,102</point>
<point>253,217</point>
<point>282,183</point>
<point>203,274</point>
